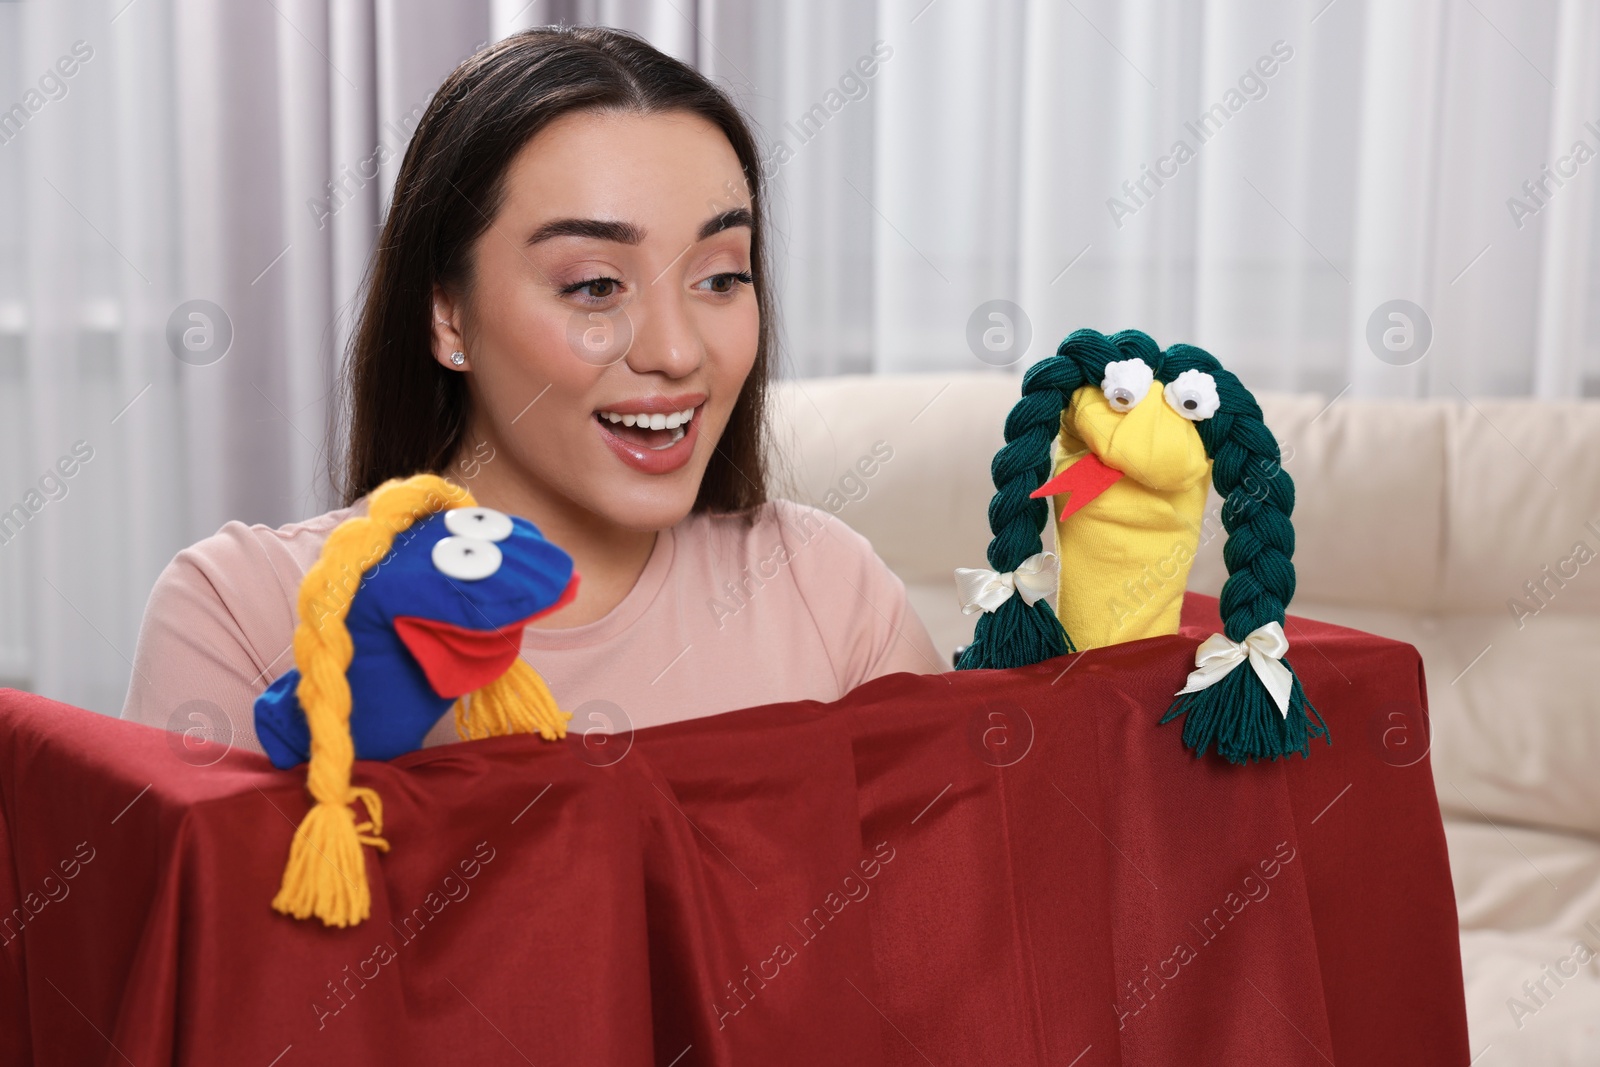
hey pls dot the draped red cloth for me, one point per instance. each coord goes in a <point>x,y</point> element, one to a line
<point>999,867</point>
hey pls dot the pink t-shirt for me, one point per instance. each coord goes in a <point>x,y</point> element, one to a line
<point>796,606</point>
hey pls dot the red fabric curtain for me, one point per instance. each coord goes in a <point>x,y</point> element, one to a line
<point>1011,867</point>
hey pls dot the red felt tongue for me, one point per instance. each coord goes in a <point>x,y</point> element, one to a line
<point>457,660</point>
<point>1085,480</point>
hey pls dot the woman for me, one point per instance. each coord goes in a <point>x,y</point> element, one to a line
<point>575,248</point>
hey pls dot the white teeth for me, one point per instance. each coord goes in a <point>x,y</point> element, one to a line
<point>651,422</point>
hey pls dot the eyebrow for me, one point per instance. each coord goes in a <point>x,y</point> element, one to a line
<point>628,233</point>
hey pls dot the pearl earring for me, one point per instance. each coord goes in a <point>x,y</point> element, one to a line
<point>458,358</point>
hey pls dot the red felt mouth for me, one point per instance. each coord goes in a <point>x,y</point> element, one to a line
<point>1085,480</point>
<point>457,660</point>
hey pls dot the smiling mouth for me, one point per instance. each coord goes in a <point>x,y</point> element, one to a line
<point>654,432</point>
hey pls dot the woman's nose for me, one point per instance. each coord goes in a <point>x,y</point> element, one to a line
<point>666,338</point>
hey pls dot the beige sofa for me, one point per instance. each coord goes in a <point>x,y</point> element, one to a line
<point>1421,521</point>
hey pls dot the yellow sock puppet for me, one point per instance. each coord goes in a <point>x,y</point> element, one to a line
<point>1142,433</point>
<point>1129,496</point>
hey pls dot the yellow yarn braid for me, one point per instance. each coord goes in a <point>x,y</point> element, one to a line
<point>326,875</point>
<point>518,702</point>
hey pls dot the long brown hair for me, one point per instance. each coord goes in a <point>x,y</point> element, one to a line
<point>407,414</point>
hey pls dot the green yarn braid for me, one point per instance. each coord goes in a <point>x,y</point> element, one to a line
<point>1016,634</point>
<point>1237,714</point>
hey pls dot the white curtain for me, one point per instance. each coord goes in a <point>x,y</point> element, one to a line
<point>927,158</point>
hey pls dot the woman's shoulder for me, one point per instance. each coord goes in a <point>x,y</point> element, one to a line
<point>239,552</point>
<point>246,573</point>
<point>220,618</point>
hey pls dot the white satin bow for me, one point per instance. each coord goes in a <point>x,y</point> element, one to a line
<point>980,589</point>
<point>1264,647</point>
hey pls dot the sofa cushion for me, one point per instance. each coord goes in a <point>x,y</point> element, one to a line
<point>1526,899</point>
<point>1523,491</point>
<point>1345,500</point>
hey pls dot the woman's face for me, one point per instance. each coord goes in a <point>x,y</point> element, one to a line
<point>612,287</point>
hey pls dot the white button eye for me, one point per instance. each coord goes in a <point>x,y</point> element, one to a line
<point>466,559</point>
<point>1127,382</point>
<point>486,524</point>
<point>1193,394</point>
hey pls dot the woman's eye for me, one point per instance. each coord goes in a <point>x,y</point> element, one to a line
<point>1127,382</point>
<point>725,282</point>
<point>1193,394</point>
<point>599,288</point>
